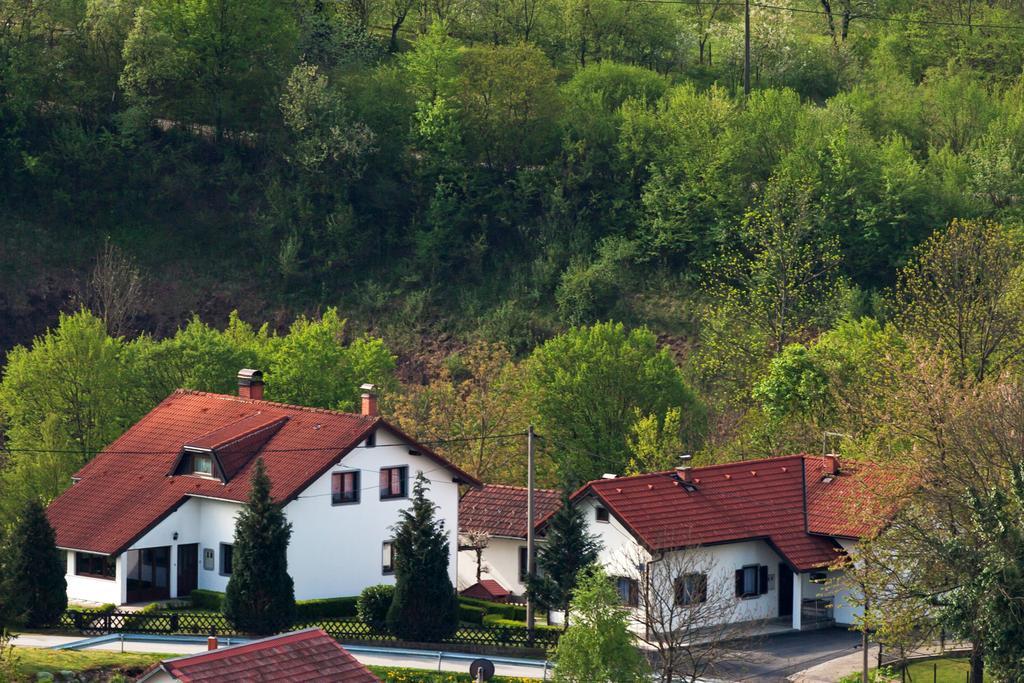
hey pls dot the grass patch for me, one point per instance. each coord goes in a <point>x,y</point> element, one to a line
<point>940,670</point>
<point>32,660</point>
<point>949,670</point>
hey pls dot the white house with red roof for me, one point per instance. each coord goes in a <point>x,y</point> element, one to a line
<point>499,512</point>
<point>152,517</point>
<point>767,537</point>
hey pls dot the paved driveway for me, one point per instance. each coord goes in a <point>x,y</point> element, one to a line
<point>771,658</point>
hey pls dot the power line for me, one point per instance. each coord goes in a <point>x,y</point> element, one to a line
<point>805,10</point>
<point>436,442</point>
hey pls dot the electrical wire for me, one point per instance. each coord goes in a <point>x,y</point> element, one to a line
<point>867,16</point>
<point>436,442</point>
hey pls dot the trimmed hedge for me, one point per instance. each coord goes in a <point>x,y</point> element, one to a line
<point>204,599</point>
<point>304,609</point>
<point>326,607</point>
<point>471,614</point>
<point>506,610</point>
<point>496,620</point>
<point>105,608</point>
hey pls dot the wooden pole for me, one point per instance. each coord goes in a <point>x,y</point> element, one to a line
<point>531,568</point>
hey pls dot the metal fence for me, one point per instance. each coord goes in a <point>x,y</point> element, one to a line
<point>96,622</point>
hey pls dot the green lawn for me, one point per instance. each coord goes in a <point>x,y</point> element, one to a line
<point>105,664</point>
<point>31,660</point>
<point>945,671</point>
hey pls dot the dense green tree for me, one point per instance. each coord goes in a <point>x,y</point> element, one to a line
<point>598,645</point>
<point>587,386</point>
<point>209,62</point>
<point>963,292</point>
<point>61,401</point>
<point>425,607</point>
<point>33,590</point>
<point>782,286</point>
<point>567,549</point>
<point>260,596</point>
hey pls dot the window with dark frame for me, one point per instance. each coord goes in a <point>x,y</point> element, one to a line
<point>601,513</point>
<point>751,581</point>
<point>393,482</point>
<point>95,566</point>
<point>227,552</point>
<point>691,589</point>
<point>629,591</point>
<point>387,558</point>
<point>345,487</point>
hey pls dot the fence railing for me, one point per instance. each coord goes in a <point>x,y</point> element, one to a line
<point>97,622</point>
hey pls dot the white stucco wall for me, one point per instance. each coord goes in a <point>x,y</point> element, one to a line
<point>336,550</point>
<point>620,555</point>
<point>843,610</point>
<point>500,562</point>
<point>88,589</point>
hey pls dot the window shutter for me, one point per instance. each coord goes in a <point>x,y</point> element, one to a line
<point>739,583</point>
<point>764,580</point>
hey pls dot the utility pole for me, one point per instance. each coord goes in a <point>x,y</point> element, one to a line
<point>531,565</point>
<point>746,47</point>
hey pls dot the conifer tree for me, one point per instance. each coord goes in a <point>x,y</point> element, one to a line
<point>260,595</point>
<point>568,548</point>
<point>425,607</point>
<point>34,591</point>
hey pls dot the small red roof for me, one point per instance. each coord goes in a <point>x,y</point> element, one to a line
<point>309,655</point>
<point>501,510</point>
<point>487,589</point>
<point>752,499</point>
<point>128,488</point>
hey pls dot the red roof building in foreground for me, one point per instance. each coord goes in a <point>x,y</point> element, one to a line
<point>780,525</point>
<point>498,512</point>
<point>298,657</point>
<point>152,516</point>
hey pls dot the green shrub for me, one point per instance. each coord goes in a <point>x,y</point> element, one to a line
<point>105,608</point>
<point>374,603</point>
<point>495,620</point>
<point>471,614</point>
<point>505,610</point>
<point>134,621</point>
<point>204,599</point>
<point>326,607</point>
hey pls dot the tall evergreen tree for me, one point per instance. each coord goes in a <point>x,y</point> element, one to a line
<point>568,549</point>
<point>425,607</point>
<point>34,591</point>
<point>260,594</point>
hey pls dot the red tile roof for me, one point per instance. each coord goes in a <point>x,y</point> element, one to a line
<point>753,499</point>
<point>127,489</point>
<point>501,510</point>
<point>487,589</point>
<point>855,504</point>
<point>309,655</point>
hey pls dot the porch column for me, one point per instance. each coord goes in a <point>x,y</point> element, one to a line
<point>798,599</point>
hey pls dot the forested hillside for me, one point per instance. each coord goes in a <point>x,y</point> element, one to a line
<point>473,184</point>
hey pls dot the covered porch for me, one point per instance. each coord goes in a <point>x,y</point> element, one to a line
<point>138,575</point>
<point>816,599</point>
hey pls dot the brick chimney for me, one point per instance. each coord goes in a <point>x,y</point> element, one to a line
<point>832,464</point>
<point>250,383</point>
<point>211,643</point>
<point>369,400</point>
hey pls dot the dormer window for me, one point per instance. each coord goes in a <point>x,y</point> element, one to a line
<point>202,463</point>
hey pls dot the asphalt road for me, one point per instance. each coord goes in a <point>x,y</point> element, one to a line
<point>770,659</point>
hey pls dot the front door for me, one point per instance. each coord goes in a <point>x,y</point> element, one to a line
<point>149,574</point>
<point>785,584</point>
<point>188,569</point>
